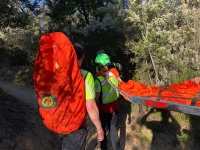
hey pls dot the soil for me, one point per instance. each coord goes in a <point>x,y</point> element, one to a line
<point>21,127</point>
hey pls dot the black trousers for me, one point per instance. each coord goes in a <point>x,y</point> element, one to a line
<point>75,140</point>
<point>109,120</point>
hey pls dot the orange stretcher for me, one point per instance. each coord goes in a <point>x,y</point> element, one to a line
<point>182,97</point>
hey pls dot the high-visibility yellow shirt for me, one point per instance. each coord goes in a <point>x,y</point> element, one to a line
<point>89,85</point>
<point>108,92</point>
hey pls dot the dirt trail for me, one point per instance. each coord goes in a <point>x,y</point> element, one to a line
<point>39,137</point>
<point>150,135</point>
<point>24,93</point>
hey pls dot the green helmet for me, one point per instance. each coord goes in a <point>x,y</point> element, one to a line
<point>102,59</point>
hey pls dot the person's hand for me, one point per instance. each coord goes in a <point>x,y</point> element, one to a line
<point>196,80</point>
<point>100,134</point>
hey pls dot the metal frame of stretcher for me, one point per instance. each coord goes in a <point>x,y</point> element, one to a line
<point>162,104</point>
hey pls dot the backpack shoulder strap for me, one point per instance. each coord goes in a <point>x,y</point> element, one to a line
<point>100,96</point>
<point>84,73</point>
<point>102,74</point>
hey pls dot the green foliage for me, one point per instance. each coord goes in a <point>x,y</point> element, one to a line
<point>23,76</point>
<point>20,49</point>
<point>162,42</point>
<point>158,41</point>
<point>104,33</point>
<point>184,137</point>
<point>20,45</point>
<point>11,14</point>
<point>144,139</point>
<point>183,117</point>
<point>85,10</point>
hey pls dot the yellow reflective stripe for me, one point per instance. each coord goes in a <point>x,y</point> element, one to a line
<point>90,90</point>
<point>112,94</point>
<point>107,94</point>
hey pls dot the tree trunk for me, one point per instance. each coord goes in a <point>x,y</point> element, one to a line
<point>152,60</point>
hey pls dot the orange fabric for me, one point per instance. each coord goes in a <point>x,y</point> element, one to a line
<point>57,73</point>
<point>100,73</point>
<point>182,92</point>
<point>115,72</point>
<point>103,74</point>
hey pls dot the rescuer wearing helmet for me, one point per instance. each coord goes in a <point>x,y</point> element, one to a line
<point>116,65</point>
<point>107,100</point>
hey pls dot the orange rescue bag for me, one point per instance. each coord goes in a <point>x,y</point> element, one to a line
<point>59,84</point>
<point>184,93</point>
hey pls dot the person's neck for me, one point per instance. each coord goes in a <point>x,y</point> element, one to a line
<point>104,70</point>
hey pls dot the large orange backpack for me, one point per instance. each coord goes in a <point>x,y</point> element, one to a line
<point>59,84</point>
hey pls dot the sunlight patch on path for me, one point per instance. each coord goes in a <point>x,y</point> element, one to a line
<point>25,94</point>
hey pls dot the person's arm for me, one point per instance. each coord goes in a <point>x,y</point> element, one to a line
<point>91,106</point>
<point>93,113</point>
<point>196,80</point>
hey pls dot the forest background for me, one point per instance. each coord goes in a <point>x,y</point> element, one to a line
<point>157,42</point>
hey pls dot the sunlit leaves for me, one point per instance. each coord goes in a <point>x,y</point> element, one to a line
<point>163,32</point>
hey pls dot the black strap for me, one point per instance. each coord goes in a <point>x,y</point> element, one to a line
<point>194,100</point>
<point>100,96</point>
<point>160,91</point>
<point>172,90</point>
<point>86,75</point>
